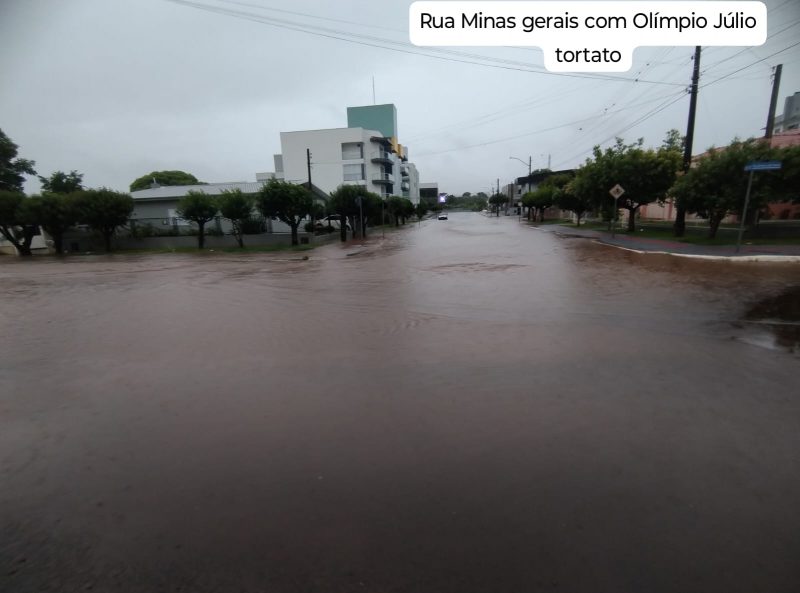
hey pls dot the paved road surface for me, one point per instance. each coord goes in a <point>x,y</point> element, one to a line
<point>467,406</point>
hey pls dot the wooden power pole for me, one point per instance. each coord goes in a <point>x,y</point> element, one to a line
<point>773,101</point>
<point>680,212</point>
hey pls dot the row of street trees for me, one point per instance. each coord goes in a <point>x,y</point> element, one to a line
<point>63,203</point>
<point>291,204</point>
<point>103,210</point>
<point>713,188</point>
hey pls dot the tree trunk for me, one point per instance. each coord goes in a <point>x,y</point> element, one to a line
<point>21,247</point>
<point>679,228</point>
<point>342,227</point>
<point>201,238</point>
<point>58,243</point>
<point>107,240</point>
<point>541,215</point>
<point>294,226</point>
<point>578,217</point>
<point>713,224</point>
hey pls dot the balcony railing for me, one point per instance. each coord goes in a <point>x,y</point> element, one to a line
<point>383,178</point>
<point>382,156</point>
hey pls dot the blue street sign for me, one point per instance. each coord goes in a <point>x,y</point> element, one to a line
<point>763,166</point>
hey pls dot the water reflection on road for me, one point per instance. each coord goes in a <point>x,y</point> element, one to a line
<point>465,405</point>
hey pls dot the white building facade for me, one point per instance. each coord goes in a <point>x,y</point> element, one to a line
<point>355,155</point>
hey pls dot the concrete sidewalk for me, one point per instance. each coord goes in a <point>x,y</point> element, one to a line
<point>649,245</point>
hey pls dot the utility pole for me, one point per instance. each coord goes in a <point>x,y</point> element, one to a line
<point>680,212</point>
<point>530,172</point>
<point>773,102</point>
<point>310,187</point>
<point>530,163</point>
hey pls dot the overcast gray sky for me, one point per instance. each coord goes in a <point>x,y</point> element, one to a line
<point>118,88</point>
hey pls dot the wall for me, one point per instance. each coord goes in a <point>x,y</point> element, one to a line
<point>327,171</point>
<point>214,242</point>
<point>374,117</point>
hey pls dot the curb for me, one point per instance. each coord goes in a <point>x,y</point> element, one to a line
<point>730,258</point>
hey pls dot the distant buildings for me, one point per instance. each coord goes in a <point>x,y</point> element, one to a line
<point>367,152</point>
<point>429,192</point>
<point>790,118</point>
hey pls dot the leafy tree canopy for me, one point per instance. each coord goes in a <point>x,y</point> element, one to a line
<point>12,169</point>
<point>54,212</point>
<point>197,206</point>
<point>62,183</point>
<point>644,174</point>
<point>237,207</point>
<point>104,210</point>
<point>165,178</point>
<point>285,201</point>
<point>715,186</point>
<point>344,200</point>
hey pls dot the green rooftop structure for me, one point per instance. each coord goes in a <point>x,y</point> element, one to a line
<point>382,118</point>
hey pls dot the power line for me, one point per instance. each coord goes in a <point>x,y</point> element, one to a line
<point>716,80</point>
<point>405,47</point>
<point>572,123</point>
<point>661,108</point>
<point>642,119</point>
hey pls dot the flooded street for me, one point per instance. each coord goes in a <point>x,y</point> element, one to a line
<point>469,405</point>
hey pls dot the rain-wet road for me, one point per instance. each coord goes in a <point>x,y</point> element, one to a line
<point>467,406</point>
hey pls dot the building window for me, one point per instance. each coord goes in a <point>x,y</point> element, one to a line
<point>352,150</point>
<point>353,172</point>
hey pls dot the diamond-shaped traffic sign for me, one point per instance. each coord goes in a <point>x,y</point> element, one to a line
<point>616,191</point>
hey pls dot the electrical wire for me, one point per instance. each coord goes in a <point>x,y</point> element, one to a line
<point>406,47</point>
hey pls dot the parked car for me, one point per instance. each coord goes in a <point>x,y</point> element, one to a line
<point>332,220</point>
<point>442,215</point>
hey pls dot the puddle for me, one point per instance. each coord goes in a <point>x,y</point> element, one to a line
<point>775,321</point>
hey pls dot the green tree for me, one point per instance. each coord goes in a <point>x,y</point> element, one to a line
<point>12,169</point>
<point>406,209</point>
<point>569,199</point>
<point>421,209</point>
<point>164,178</point>
<point>716,185</point>
<point>344,201</point>
<point>104,210</point>
<point>395,207</point>
<point>15,222</point>
<point>529,202</point>
<point>200,208</point>
<point>62,183</point>
<point>285,201</point>
<point>238,208</point>
<point>55,213</point>
<point>497,201</point>
<point>371,204</point>
<point>644,174</point>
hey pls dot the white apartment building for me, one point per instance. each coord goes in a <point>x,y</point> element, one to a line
<point>353,155</point>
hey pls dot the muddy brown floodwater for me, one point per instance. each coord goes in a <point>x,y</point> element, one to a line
<point>467,406</point>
